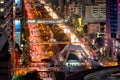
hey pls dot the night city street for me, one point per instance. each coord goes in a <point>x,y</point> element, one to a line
<point>59,40</point>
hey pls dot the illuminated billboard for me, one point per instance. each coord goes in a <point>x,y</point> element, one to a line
<point>17,31</point>
<point>17,25</point>
<point>17,2</point>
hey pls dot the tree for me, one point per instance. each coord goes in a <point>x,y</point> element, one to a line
<point>19,77</point>
<point>32,76</point>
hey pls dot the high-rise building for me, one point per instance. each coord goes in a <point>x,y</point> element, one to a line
<point>95,13</point>
<point>10,10</point>
<point>6,34</point>
<point>113,24</point>
<point>6,16</point>
<point>113,19</point>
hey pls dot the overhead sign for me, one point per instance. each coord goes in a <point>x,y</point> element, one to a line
<point>46,21</point>
<point>31,21</point>
<point>50,21</point>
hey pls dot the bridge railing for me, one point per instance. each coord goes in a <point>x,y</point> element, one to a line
<point>92,73</point>
<point>101,73</point>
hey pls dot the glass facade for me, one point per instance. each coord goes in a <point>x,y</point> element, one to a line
<point>113,18</point>
<point>118,20</point>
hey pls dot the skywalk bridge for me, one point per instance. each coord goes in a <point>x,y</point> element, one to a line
<point>50,21</point>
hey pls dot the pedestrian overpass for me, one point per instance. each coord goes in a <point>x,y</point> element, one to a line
<point>69,49</point>
<point>50,21</point>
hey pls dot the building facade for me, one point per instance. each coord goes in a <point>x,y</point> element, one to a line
<point>113,19</point>
<point>75,9</point>
<point>95,13</point>
<point>6,16</point>
<point>113,24</point>
<point>111,10</point>
<point>6,30</point>
<point>10,10</point>
<point>100,1</point>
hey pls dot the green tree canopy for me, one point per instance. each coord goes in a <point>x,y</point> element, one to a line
<point>33,75</point>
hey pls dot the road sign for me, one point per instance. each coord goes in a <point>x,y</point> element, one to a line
<point>57,21</point>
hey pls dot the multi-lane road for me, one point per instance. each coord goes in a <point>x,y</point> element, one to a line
<point>36,49</point>
<point>69,32</point>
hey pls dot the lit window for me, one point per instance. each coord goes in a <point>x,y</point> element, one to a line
<point>1,1</point>
<point>1,9</point>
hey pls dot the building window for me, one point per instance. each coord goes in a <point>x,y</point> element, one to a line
<point>1,9</point>
<point>1,1</point>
